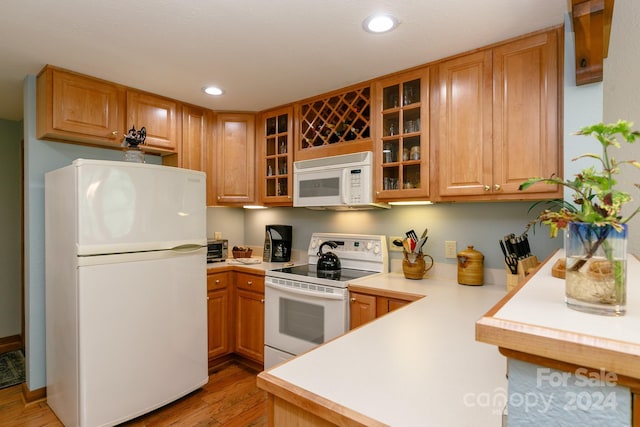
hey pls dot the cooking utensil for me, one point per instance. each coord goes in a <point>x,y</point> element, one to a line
<point>421,243</point>
<point>412,235</point>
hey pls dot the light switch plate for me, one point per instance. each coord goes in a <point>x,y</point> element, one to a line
<point>450,250</point>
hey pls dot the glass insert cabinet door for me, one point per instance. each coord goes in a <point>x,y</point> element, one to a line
<point>277,157</point>
<point>403,150</point>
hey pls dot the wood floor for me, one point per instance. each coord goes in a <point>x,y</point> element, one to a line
<point>231,398</point>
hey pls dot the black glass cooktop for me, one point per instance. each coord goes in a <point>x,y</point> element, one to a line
<point>310,270</point>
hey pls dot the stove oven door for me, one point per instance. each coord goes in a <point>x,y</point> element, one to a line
<point>299,316</point>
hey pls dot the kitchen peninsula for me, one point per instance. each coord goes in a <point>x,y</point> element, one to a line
<point>418,365</point>
<point>586,366</point>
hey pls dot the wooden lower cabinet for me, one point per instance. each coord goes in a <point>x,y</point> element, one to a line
<point>249,316</point>
<point>368,305</point>
<point>235,310</point>
<point>218,315</point>
<point>362,309</point>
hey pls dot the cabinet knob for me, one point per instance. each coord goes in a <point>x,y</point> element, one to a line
<point>114,133</point>
<point>496,187</point>
<point>217,282</point>
<point>353,300</point>
<point>487,188</point>
<point>207,298</point>
<point>262,300</point>
<point>249,282</point>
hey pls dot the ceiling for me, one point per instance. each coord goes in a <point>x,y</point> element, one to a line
<point>263,53</point>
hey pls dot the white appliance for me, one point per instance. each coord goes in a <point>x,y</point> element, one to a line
<point>336,182</point>
<point>305,307</point>
<point>125,289</point>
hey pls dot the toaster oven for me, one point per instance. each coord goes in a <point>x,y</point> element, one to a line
<point>217,250</point>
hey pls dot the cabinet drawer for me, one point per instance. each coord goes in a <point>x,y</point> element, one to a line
<point>217,281</point>
<point>250,282</point>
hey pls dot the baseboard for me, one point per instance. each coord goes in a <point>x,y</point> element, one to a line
<point>33,396</point>
<point>11,343</point>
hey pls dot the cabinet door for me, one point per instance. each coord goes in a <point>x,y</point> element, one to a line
<point>362,309</point>
<point>525,113</point>
<point>194,138</point>
<point>77,108</point>
<point>275,157</point>
<point>160,118</point>
<point>463,115</point>
<point>218,314</point>
<point>402,151</point>
<point>385,305</point>
<point>250,325</point>
<point>235,160</point>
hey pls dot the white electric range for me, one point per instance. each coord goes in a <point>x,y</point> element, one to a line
<point>305,307</point>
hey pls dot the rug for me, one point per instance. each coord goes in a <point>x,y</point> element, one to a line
<point>11,368</point>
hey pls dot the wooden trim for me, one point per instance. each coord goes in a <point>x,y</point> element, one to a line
<point>312,403</point>
<point>385,293</point>
<point>596,373</point>
<point>33,396</point>
<point>592,29</point>
<point>11,343</point>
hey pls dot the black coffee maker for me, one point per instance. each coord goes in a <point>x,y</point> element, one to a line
<point>277,243</point>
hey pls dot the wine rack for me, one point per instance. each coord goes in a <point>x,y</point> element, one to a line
<point>337,119</point>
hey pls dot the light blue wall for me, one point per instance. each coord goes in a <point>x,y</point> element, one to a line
<point>41,157</point>
<point>10,256</point>
<point>477,224</point>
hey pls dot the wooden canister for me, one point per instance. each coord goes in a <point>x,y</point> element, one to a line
<point>470,267</point>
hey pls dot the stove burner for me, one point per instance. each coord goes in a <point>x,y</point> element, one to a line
<point>329,274</point>
<point>310,270</point>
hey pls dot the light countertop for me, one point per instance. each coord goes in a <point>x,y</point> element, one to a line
<point>535,320</point>
<point>418,365</point>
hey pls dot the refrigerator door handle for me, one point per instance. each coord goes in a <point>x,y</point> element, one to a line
<point>189,247</point>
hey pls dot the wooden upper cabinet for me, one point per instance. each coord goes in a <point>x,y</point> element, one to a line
<point>76,108</point>
<point>274,150</point>
<point>401,143</point>
<point>194,138</point>
<point>463,117</point>
<point>235,159</point>
<point>496,117</point>
<point>526,128</point>
<point>160,117</point>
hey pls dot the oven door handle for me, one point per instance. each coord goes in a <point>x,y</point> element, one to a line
<point>309,293</point>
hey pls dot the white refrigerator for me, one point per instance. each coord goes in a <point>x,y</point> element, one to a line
<point>125,288</point>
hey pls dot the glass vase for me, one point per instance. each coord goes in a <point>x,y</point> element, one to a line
<point>133,154</point>
<point>596,268</point>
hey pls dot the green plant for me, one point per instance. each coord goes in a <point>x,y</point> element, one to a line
<point>596,200</point>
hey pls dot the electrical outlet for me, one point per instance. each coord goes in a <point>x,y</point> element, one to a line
<point>450,250</point>
<point>393,247</point>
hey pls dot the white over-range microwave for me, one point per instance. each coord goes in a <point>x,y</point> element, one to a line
<point>336,182</point>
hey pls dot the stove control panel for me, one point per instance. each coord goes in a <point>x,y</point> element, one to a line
<point>354,250</point>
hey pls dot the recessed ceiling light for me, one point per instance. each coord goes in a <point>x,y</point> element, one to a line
<point>212,90</point>
<point>381,23</point>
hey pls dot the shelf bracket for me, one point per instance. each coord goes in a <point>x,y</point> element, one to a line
<point>592,29</point>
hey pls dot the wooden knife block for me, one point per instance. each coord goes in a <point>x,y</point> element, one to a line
<point>525,266</point>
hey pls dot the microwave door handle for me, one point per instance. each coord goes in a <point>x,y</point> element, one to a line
<point>345,193</point>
